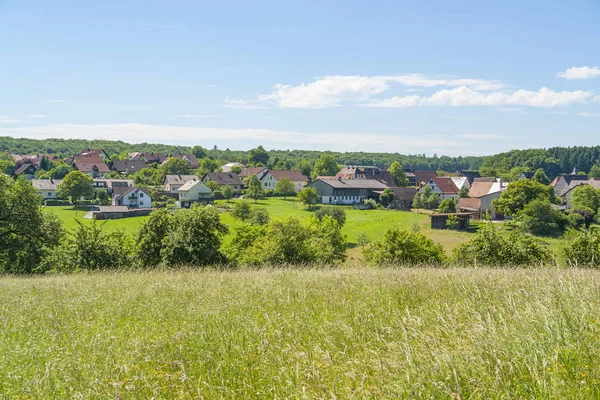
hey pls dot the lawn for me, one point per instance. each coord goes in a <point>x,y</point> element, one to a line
<point>69,217</point>
<point>349,333</point>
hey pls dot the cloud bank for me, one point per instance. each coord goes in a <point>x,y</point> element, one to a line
<point>579,73</point>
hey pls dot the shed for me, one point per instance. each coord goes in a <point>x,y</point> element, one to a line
<point>438,221</point>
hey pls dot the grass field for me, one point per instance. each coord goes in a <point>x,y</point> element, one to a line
<point>349,333</point>
<point>68,216</point>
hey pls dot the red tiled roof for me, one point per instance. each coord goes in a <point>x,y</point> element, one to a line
<point>251,171</point>
<point>468,203</point>
<point>445,184</point>
<point>295,176</point>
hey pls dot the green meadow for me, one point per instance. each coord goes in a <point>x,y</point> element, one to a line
<point>346,333</point>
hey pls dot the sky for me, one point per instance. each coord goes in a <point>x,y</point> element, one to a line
<point>414,77</point>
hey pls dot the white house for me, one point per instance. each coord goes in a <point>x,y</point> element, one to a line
<point>271,177</point>
<point>227,167</point>
<point>481,196</point>
<point>174,182</point>
<point>132,197</point>
<point>444,186</point>
<point>47,187</point>
<point>461,182</point>
<point>194,191</point>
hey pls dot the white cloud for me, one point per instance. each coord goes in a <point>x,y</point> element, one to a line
<point>55,101</point>
<point>579,73</point>
<point>36,116</point>
<point>464,96</point>
<point>335,90</point>
<point>9,120</point>
<point>248,138</point>
<point>585,114</point>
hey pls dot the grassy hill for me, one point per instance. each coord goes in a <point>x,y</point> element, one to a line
<point>349,333</point>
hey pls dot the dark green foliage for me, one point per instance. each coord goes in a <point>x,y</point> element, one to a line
<point>255,190</point>
<point>90,248</point>
<point>309,197</point>
<point>387,196</point>
<point>242,210</point>
<point>336,213</point>
<point>463,193</point>
<point>397,173</point>
<point>452,222</point>
<point>176,166</point>
<point>258,156</point>
<point>227,192</point>
<point>405,248</point>
<point>539,218</point>
<point>447,206</point>
<point>26,234</point>
<point>491,247</point>
<point>103,197</point>
<point>418,202</point>
<point>518,194</point>
<point>326,165</point>
<point>541,177</point>
<point>259,216</point>
<point>583,249</point>
<point>285,187</point>
<point>75,186</point>
<point>151,235</point>
<point>585,197</point>
<point>433,201</point>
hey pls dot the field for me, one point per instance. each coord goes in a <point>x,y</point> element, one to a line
<point>373,223</point>
<point>349,333</point>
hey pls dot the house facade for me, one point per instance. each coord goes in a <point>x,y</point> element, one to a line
<point>271,177</point>
<point>195,191</point>
<point>47,187</point>
<point>223,179</point>
<point>481,196</point>
<point>567,196</point>
<point>174,182</point>
<point>346,191</point>
<point>227,167</point>
<point>132,197</point>
<point>563,183</point>
<point>259,172</point>
<point>92,165</point>
<point>444,186</point>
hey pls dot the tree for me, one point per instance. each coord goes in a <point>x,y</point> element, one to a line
<point>405,248</point>
<point>212,185</point>
<point>433,201</point>
<point>398,174</point>
<point>285,187</point>
<point>325,166</point>
<point>541,177</point>
<point>259,216</point>
<point>176,166</point>
<point>426,192</point>
<point>585,197</point>
<point>447,206</point>
<point>463,193</point>
<point>259,156</point>
<point>305,167</point>
<point>255,190</point>
<point>199,152</point>
<point>583,249</point>
<point>418,202</point>
<point>151,235</point>
<point>227,192</point>
<point>387,196</point>
<point>241,210</point>
<point>519,193</point>
<point>539,218</point>
<point>194,238</point>
<point>75,186</point>
<point>309,197</point>
<point>493,248</point>
<point>103,197</point>
<point>336,213</point>
<point>594,172</point>
<point>27,234</point>
<point>452,222</point>
<point>236,169</point>
<point>208,165</point>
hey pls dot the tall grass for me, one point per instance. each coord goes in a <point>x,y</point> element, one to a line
<point>351,333</point>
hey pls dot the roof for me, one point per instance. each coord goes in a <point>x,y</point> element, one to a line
<point>480,189</point>
<point>459,181</point>
<point>424,176</point>
<point>112,183</point>
<point>485,179</point>
<point>468,203</point>
<point>458,214</point>
<point>470,175</point>
<point>223,178</point>
<point>592,182</point>
<point>527,174</point>
<point>123,191</point>
<point>150,157</point>
<point>90,163</point>
<point>179,179</point>
<point>113,209</point>
<point>294,175</point>
<point>353,183</point>
<point>190,184</point>
<point>46,184</point>
<point>128,165</point>
<point>227,167</point>
<point>252,171</point>
<point>406,194</point>
<point>23,168</point>
<point>445,184</point>
<point>191,159</point>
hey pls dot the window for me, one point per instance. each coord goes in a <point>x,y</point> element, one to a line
<point>49,193</point>
<point>141,203</point>
<point>141,194</point>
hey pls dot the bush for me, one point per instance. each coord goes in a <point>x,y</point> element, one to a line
<point>447,206</point>
<point>362,239</point>
<point>370,203</point>
<point>583,249</point>
<point>490,247</point>
<point>259,216</point>
<point>574,221</point>
<point>539,218</point>
<point>335,212</point>
<point>404,247</point>
<point>242,210</point>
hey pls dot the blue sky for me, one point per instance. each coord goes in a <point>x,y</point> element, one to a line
<point>412,77</point>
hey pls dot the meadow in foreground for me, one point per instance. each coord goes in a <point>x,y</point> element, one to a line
<point>347,333</point>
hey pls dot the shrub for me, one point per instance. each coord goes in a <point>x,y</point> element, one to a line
<point>335,212</point>
<point>309,197</point>
<point>452,222</point>
<point>151,235</point>
<point>539,218</point>
<point>404,247</point>
<point>447,206</point>
<point>362,239</point>
<point>370,203</point>
<point>242,210</point>
<point>491,247</point>
<point>583,249</point>
<point>259,216</point>
<point>433,201</point>
<point>575,221</point>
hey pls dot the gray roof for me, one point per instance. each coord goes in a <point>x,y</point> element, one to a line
<point>46,184</point>
<point>354,183</point>
<point>113,209</point>
<point>224,178</point>
<point>179,179</point>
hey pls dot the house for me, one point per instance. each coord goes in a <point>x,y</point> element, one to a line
<point>481,196</point>
<point>403,198</point>
<point>526,175</point>
<point>128,166</point>
<point>223,179</point>
<point>174,182</point>
<point>366,172</point>
<point>131,197</point>
<point>259,172</point>
<point>270,179</point>
<point>47,187</point>
<point>157,158</point>
<point>444,186</point>
<point>95,152</point>
<point>470,175</point>
<point>109,185</point>
<point>92,165</point>
<point>195,191</point>
<point>227,167</point>
<point>561,186</point>
<point>461,182</point>
<point>567,196</point>
<point>422,177</point>
<point>190,158</point>
<point>346,191</point>
<point>27,169</point>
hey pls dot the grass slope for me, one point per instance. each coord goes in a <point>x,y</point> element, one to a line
<point>354,333</point>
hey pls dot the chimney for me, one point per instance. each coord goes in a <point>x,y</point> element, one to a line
<point>339,178</point>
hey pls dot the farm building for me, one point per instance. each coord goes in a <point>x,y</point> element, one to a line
<point>346,191</point>
<point>439,221</point>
